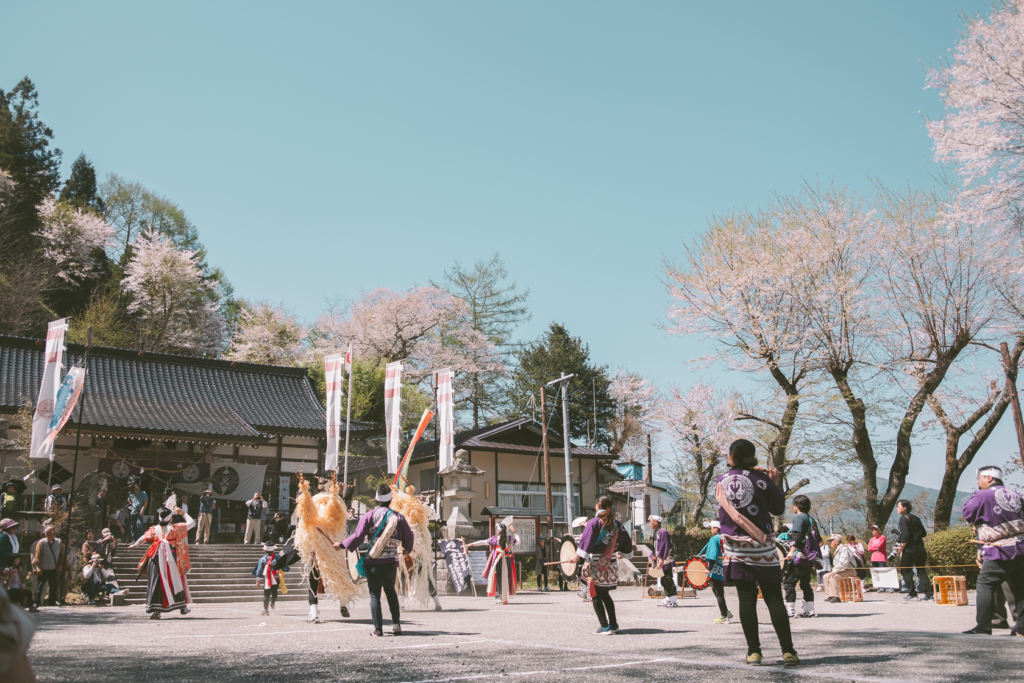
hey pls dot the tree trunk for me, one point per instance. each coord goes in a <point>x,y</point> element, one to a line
<point>947,491</point>
<point>861,443</point>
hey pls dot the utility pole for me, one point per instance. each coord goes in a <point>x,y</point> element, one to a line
<point>564,380</point>
<point>1011,377</point>
<point>649,481</point>
<point>547,462</point>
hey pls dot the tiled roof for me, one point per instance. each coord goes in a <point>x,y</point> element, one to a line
<point>166,395</point>
<point>523,434</point>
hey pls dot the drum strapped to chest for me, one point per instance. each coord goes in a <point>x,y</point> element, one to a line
<point>697,573</point>
<point>569,567</point>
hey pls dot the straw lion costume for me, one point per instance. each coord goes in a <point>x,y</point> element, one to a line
<point>414,583</point>
<point>325,512</point>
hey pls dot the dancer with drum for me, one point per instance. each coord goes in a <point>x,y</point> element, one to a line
<point>747,497</point>
<point>603,537</point>
<point>662,557</point>
<point>712,552</point>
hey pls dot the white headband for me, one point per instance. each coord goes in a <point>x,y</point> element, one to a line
<point>386,498</point>
<point>167,515</point>
<point>990,471</point>
<point>657,518</point>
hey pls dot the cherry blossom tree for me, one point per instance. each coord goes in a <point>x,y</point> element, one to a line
<point>635,399</point>
<point>173,306</point>
<point>982,88</point>
<point>425,327</point>
<point>267,334</point>
<point>732,288</point>
<point>701,423</point>
<point>72,238</point>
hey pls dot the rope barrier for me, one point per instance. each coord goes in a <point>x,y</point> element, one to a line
<point>154,469</point>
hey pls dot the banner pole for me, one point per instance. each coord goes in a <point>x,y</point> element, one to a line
<point>78,438</point>
<point>348,414</point>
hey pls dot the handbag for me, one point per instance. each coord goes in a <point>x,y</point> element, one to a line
<point>360,568</point>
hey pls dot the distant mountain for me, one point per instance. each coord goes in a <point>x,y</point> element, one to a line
<point>910,492</point>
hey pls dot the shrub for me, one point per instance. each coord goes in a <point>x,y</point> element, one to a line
<point>688,541</point>
<point>949,549</point>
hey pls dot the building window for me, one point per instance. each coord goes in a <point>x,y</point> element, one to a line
<point>523,495</point>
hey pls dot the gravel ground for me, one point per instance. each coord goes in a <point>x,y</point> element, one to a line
<point>540,636</point>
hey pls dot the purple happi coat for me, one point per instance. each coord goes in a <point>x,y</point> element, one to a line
<point>756,497</point>
<point>663,549</point>
<point>994,506</point>
<point>590,550</point>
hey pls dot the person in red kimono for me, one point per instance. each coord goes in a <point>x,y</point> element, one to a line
<point>167,563</point>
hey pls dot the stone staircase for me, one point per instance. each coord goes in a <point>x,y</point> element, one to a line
<point>220,573</point>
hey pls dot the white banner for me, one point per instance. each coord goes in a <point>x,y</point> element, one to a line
<point>47,399</point>
<point>393,413</point>
<point>446,416</point>
<point>230,481</point>
<point>333,378</point>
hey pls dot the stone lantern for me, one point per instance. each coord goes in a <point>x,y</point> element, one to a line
<point>457,483</point>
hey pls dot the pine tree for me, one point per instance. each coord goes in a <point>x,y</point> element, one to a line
<point>81,189</point>
<point>544,360</point>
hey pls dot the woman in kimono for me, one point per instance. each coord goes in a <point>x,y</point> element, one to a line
<point>747,498</point>
<point>500,570</point>
<point>167,562</point>
<point>603,538</point>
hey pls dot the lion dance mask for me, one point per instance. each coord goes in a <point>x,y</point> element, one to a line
<point>322,520</point>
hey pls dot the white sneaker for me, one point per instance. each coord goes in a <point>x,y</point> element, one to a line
<point>808,615</point>
<point>791,609</point>
<point>672,602</point>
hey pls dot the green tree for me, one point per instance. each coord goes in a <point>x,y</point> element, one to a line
<point>107,320</point>
<point>81,188</point>
<point>495,309</point>
<point>25,153</point>
<point>131,208</point>
<point>544,360</point>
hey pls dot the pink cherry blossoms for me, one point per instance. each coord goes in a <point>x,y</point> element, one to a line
<point>71,238</point>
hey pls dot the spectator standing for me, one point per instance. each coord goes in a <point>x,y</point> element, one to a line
<point>206,507</point>
<point>257,509</point>
<point>554,555</point>
<point>9,547</point>
<point>55,501</point>
<point>826,566</point>
<point>14,584</point>
<point>102,509</point>
<point>913,555</point>
<point>137,502</point>
<point>91,545</point>
<point>844,566</point>
<point>540,556</point>
<point>46,564</point>
<point>9,501</point>
<point>876,546</point>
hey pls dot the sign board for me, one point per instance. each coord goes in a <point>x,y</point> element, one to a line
<point>477,562</point>
<point>284,493</point>
<point>457,561</point>
<point>885,577</point>
<point>526,530</point>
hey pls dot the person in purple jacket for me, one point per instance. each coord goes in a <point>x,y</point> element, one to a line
<point>662,558</point>
<point>748,498</point>
<point>603,538</point>
<point>382,571</point>
<point>992,505</point>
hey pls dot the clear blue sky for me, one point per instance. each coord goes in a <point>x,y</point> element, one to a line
<point>328,148</point>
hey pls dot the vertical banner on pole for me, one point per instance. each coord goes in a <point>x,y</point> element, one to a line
<point>332,375</point>
<point>348,412</point>
<point>393,413</point>
<point>446,417</point>
<point>47,399</point>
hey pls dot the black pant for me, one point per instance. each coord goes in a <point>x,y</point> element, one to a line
<point>798,573</point>
<point>93,590</point>
<point>669,585</point>
<point>382,577</point>
<point>993,574</point>
<point>269,597</point>
<point>1004,608</point>
<point>542,575</point>
<point>314,586</point>
<point>772,593</point>
<point>908,561</point>
<point>603,602</point>
<point>718,588</point>
<point>48,577</point>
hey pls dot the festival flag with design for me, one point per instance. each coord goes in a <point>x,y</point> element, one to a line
<point>333,378</point>
<point>47,399</point>
<point>67,396</point>
<point>446,416</point>
<point>393,413</point>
